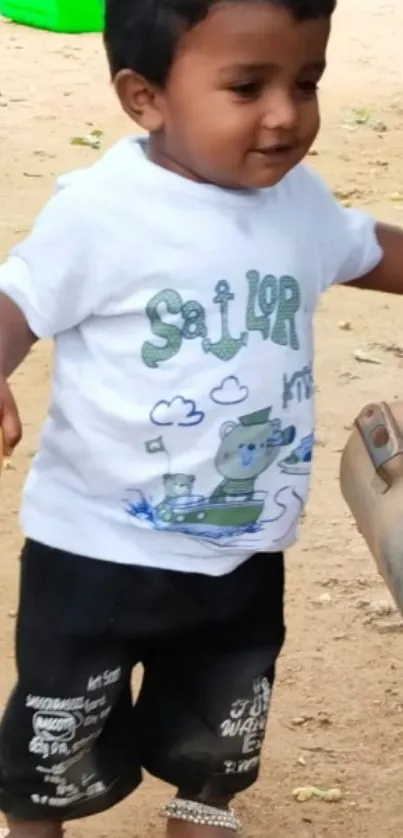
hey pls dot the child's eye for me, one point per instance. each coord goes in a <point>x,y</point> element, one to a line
<point>247,89</point>
<point>307,88</point>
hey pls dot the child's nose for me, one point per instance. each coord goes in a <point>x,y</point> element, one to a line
<point>280,111</point>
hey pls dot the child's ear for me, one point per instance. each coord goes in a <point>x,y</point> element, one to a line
<point>138,98</point>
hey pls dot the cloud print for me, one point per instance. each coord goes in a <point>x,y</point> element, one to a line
<point>179,411</point>
<point>230,391</point>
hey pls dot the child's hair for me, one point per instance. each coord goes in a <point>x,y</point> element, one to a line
<point>142,35</point>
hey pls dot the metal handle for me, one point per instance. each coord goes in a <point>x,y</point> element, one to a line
<point>380,433</point>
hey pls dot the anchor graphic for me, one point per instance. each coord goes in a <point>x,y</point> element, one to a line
<point>227,347</point>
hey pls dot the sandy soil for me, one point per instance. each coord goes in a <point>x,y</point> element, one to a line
<point>337,715</point>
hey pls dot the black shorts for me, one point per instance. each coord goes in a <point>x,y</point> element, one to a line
<point>73,743</point>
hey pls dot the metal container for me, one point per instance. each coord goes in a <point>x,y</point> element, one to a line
<point>371,480</point>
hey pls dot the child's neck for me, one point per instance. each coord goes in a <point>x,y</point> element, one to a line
<point>155,148</point>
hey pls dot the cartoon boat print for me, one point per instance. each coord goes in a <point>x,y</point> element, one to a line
<point>198,516</point>
<point>247,448</point>
<point>299,461</point>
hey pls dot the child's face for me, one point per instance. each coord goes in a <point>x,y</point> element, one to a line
<point>240,105</point>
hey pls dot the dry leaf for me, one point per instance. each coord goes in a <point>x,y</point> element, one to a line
<point>92,140</point>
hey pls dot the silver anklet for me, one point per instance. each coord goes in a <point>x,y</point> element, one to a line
<point>201,814</point>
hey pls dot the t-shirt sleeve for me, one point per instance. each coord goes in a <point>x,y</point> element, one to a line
<point>52,276</point>
<point>345,238</point>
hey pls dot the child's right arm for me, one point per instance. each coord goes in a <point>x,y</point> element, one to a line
<point>16,340</point>
<point>50,283</point>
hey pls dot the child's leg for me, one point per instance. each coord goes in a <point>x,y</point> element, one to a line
<point>217,810</point>
<point>34,829</point>
<point>185,830</point>
<point>182,829</point>
<point>206,694</point>
<point>67,741</point>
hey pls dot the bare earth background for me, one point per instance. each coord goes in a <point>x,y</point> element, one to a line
<point>337,716</point>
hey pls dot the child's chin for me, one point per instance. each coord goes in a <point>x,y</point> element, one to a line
<point>273,176</point>
<point>265,180</point>
<point>258,179</point>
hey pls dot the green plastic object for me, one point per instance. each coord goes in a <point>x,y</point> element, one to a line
<point>56,15</point>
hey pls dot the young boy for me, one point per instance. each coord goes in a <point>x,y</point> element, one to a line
<point>178,278</point>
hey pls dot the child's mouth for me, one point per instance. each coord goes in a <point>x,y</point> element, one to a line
<point>275,151</point>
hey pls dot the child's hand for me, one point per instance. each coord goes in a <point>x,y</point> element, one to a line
<point>10,422</point>
<point>16,340</point>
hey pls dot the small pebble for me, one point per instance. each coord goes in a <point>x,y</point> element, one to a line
<point>323,599</point>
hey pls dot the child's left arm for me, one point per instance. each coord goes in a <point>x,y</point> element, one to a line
<point>388,275</point>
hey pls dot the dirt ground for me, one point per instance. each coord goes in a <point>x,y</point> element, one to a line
<point>337,716</point>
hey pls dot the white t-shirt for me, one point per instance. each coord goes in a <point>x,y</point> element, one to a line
<point>181,423</point>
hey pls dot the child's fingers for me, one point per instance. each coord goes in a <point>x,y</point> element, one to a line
<point>10,426</point>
